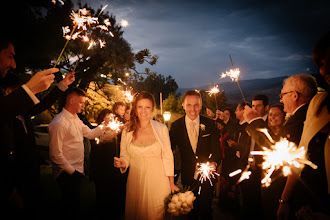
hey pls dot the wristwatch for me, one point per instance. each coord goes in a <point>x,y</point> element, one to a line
<point>281,201</point>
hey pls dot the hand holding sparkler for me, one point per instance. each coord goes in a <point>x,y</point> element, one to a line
<point>68,79</point>
<point>210,113</point>
<point>250,114</point>
<point>41,81</point>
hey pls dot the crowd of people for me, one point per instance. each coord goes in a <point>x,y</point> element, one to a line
<point>135,168</point>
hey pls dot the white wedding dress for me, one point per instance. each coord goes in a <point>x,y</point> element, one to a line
<point>147,185</point>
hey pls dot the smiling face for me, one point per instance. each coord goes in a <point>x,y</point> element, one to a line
<point>144,109</point>
<point>276,117</point>
<point>192,105</point>
<point>7,60</point>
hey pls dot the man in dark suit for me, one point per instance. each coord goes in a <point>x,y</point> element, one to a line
<point>197,140</point>
<point>296,93</point>
<point>20,101</point>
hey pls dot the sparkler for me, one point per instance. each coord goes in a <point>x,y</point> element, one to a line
<point>206,171</point>
<point>128,95</point>
<point>80,20</point>
<point>215,90</point>
<point>233,74</point>
<point>282,155</point>
<point>124,23</point>
<point>93,20</point>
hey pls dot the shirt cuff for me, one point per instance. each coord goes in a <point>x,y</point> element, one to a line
<point>30,93</point>
<point>62,87</point>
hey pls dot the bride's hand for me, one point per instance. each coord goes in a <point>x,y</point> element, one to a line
<point>174,188</point>
<point>119,163</point>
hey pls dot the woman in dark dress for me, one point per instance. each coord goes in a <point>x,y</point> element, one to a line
<point>110,184</point>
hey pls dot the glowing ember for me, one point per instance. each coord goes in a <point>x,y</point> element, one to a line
<point>124,23</point>
<point>282,155</point>
<point>128,95</point>
<point>233,74</point>
<point>206,172</point>
<point>114,124</point>
<point>215,90</point>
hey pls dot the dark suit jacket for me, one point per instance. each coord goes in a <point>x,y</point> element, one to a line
<point>18,151</point>
<point>243,145</point>
<point>291,130</point>
<point>208,143</point>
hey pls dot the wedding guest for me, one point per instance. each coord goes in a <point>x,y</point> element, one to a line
<point>276,117</point>
<point>159,118</point>
<point>26,152</point>
<point>18,102</point>
<point>197,140</point>
<point>315,190</point>
<point>260,103</point>
<point>66,149</point>
<point>247,189</point>
<point>146,150</point>
<point>119,109</point>
<point>127,112</point>
<point>110,184</point>
<point>296,93</point>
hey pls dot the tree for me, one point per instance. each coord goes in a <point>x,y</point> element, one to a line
<point>156,84</point>
<point>173,103</point>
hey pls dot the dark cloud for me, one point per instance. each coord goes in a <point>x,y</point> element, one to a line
<point>194,38</point>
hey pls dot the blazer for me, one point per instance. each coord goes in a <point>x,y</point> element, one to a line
<point>18,148</point>
<point>291,130</point>
<point>208,146</point>
<point>317,117</point>
<point>161,134</point>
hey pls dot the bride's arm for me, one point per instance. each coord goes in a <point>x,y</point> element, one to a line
<point>173,186</point>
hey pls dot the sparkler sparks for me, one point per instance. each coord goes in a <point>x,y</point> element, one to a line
<point>215,90</point>
<point>124,23</point>
<point>128,95</point>
<point>282,155</point>
<point>206,172</point>
<point>113,123</point>
<point>233,74</point>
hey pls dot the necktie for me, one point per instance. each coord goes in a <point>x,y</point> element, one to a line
<point>193,136</point>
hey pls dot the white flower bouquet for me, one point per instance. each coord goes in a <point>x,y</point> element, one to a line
<point>180,202</point>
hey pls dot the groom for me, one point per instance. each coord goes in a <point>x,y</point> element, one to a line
<point>197,139</point>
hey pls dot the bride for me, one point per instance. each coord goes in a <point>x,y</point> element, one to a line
<point>146,150</point>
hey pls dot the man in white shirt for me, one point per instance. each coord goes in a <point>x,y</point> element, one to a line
<point>66,148</point>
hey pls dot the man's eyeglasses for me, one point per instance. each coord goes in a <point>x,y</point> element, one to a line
<point>284,93</point>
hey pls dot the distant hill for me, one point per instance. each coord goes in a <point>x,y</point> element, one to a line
<point>270,87</point>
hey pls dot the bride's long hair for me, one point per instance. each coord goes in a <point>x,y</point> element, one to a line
<point>134,122</point>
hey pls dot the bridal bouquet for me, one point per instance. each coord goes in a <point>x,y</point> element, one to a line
<point>180,202</point>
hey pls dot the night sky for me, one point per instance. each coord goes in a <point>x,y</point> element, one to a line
<point>193,39</point>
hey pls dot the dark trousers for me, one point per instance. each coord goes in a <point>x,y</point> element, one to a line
<point>70,189</point>
<point>203,203</point>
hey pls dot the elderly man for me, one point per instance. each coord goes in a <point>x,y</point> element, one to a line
<point>296,94</point>
<point>315,136</point>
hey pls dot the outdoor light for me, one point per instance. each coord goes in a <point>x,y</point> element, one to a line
<point>167,116</point>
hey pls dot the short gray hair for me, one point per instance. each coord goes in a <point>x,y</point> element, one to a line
<point>304,84</point>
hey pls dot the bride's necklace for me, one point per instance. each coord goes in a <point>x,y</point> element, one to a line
<point>144,129</point>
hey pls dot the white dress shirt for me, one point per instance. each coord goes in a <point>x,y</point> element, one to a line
<point>66,147</point>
